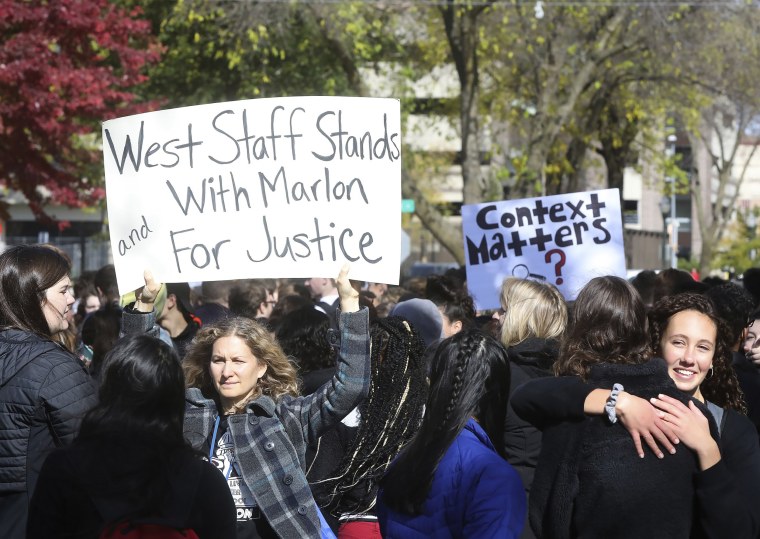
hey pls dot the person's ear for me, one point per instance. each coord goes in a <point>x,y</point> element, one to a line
<point>262,371</point>
<point>171,301</point>
<point>456,327</point>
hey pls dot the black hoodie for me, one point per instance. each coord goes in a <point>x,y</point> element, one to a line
<point>532,358</point>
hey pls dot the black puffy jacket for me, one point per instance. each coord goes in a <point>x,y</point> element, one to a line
<point>44,392</point>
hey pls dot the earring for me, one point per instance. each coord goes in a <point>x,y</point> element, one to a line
<point>710,373</point>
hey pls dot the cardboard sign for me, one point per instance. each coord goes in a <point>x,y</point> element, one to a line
<point>565,240</point>
<point>285,187</point>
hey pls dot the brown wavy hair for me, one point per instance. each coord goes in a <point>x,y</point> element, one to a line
<point>280,378</point>
<point>609,325</point>
<point>722,388</point>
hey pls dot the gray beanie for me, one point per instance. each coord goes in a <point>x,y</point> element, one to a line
<point>423,315</point>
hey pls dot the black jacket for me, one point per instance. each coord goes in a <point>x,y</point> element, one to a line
<point>749,380</point>
<point>727,493</point>
<point>44,392</point>
<point>182,341</point>
<point>532,358</point>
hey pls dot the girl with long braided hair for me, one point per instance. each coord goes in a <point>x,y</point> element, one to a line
<point>388,418</point>
<point>450,480</point>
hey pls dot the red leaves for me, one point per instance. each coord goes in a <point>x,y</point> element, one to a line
<point>65,66</point>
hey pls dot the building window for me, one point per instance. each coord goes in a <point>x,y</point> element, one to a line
<point>630,212</point>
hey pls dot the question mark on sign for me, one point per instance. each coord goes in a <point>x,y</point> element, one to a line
<point>558,265</point>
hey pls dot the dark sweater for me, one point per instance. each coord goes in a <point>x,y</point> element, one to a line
<point>90,484</point>
<point>182,341</point>
<point>728,494</point>
<point>589,482</point>
<point>727,498</point>
<point>323,459</point>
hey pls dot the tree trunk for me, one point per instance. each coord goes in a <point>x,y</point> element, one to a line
<point>708,251</point>
<point>448,235</point>
<point>461,25</point>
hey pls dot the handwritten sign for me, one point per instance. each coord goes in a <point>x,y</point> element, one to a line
<point>565,240</point>
<point>285,187</point>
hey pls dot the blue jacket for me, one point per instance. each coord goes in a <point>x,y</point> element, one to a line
<point>475,493</point>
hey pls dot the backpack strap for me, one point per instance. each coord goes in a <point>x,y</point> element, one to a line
<point>718,414</point>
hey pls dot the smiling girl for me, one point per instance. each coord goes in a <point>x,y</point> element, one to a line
<point>685,332</point>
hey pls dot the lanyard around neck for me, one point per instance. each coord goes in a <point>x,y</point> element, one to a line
<point>213,439</point>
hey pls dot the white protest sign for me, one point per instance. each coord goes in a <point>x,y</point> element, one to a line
<point>565,240</point>
<point>284,187</point>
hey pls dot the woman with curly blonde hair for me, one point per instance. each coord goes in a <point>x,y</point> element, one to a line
<point>279,377</point>
<point>243,410</point>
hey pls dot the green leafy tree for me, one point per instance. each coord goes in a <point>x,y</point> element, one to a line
<point>535,98</point>
<point>742,249</point>
<point>218,50</point>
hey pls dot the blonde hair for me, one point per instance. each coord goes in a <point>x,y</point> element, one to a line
<point>280,378</point>
<point>532,309</point>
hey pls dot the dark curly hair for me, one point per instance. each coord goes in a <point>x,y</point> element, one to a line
<point>452,297</point>
<point>722,388</point>
<point>733,304</point>
<point>303,337</point>
<point>609,325</point>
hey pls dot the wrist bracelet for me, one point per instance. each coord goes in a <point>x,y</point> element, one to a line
<point>609,407</point>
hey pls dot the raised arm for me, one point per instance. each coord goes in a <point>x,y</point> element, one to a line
<point>350,385</point>
<point>140,317</point>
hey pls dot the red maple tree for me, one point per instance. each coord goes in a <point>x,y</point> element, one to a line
<point>65,66</point>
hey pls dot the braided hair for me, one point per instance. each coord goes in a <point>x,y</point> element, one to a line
<point>469,378</point>
<point>389,415</point>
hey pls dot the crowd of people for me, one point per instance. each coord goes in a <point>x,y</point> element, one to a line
<point>292,408</point>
